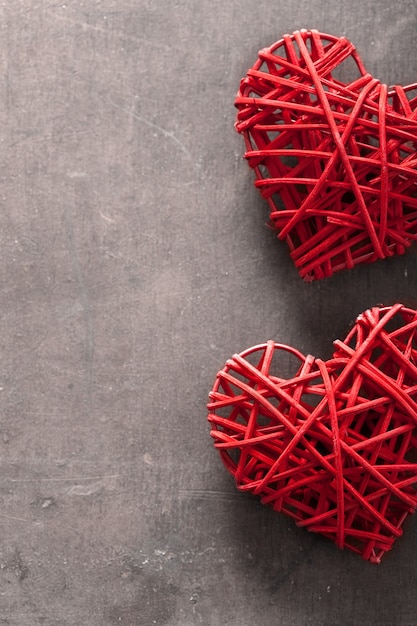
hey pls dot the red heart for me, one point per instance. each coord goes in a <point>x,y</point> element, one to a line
<point>336,161</point>
<point>334,445</point>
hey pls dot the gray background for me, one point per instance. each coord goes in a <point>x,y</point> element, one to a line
<point>134,261</point>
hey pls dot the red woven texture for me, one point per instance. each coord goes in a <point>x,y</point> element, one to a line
<point>335,160</point>
<point>333,445</point>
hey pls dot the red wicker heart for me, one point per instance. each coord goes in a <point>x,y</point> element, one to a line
<point>334,445</point>
<point>336,160</point>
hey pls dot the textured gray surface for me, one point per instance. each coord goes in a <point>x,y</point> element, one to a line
<point>134,261</point>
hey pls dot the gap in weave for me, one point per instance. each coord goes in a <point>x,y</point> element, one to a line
<point>251,141</point>
<point>312,50</point>
<point>412,98</point>
<point>372,140</point>
<point>394,323</point>
<point>408,148</point>
<point>357,544</point>
<point>379,354</point>
<point>278,202</point>
<point>411,454</point>
<point>302,189</point>
<point>264,421</point>
<point>275,69</point>
<point>321,444</point>
<point>290,162</point>
<point>263,68</point>
<point>313,392</point>
<point>263,424</point>
<point>283,365</point>
<point>367,150</point>
<point>234,455</point>
<point>298,53</point>
<point>308,45</point>
<point>390,449</point>
<point>273,134</point>
<point>346,72</point>
<point>294,240</point>
<point>234,414</point>
<point>398,444</point>
<point>281,52</point>
<point>370,426</point>
<point>311,400</point>
<point>348,197</point>
<point>235,389</point>
<point>264,171</point>
<point>304,502</point>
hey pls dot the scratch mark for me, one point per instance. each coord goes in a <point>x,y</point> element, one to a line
<point>37,135</point>
<point>77,175</point>
<point>210,494</point>
<point>108,219</point>
<point>163,131</point>
<point>210,354</point>
<point>91,489</point>
<point>107,31</point>
<point>62,478</point>
<point>15,519</point>
<point>84,299</point>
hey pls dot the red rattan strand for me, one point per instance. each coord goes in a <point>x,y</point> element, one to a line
<point>336,161</point>
<point>333,445</point>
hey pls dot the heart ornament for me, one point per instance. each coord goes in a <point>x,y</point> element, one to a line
<point>334,444</point>
<point>335,158</point>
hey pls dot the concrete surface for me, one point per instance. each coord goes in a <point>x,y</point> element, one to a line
<point>134,261</point>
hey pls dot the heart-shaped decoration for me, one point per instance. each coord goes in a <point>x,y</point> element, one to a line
<point>334,445</point>
<point>335,159</point>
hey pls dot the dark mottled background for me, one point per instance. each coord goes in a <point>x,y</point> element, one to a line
<point>134,261</point>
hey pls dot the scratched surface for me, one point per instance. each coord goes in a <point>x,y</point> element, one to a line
<point>134,261</point>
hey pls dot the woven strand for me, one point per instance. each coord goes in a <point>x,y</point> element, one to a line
<point>333,446</point>
<point>336,161</point>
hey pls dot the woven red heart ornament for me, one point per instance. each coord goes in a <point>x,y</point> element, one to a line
<point>334,445</point>
<point>335,160</point>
